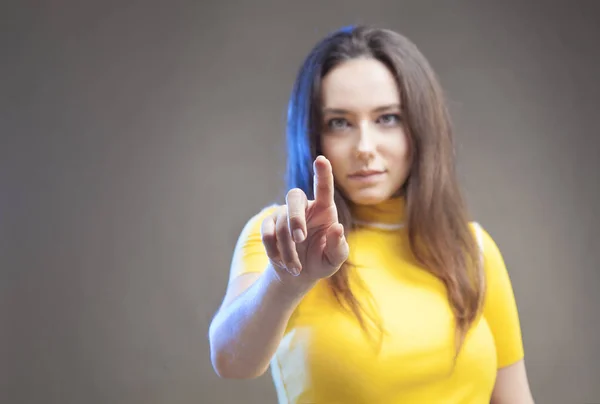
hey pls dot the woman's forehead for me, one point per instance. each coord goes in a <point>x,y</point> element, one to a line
<point>361,84</point>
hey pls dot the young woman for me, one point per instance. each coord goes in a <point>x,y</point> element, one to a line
<point>370,285</point>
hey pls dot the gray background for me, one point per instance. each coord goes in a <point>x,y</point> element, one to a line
<point>137,137</point>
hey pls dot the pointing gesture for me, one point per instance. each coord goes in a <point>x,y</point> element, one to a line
<point>304,237</point>
<point>323,183</point>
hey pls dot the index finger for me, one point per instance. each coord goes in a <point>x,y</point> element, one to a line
<point>323,182</point>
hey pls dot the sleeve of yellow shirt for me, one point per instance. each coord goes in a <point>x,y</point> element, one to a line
<point>249,254</point>
<point>500,309</point>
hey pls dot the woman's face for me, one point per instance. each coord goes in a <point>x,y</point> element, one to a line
<point>363,134</point>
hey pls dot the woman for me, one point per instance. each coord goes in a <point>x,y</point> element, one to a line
<point>369,285</point>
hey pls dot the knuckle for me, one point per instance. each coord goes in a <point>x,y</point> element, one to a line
<point>288,262</point>
<point>281,212</point>
<point>282,229</point>
<point>267,226</point>
<point>287,257</point>
<point>296,218</point>
<point>266,223</point>
<point>268,237</point>
<point>294,193</point>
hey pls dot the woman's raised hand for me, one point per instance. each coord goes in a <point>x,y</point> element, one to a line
<point>304,238</point>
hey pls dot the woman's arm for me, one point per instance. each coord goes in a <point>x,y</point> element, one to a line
<point>512,386</point>
<point>501,314</point>
<point>248,327</point>
<point>298,243</point>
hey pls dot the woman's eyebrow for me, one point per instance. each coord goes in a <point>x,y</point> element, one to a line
<point>378,109</point>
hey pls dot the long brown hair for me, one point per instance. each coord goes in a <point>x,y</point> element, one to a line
<point>437,218</point>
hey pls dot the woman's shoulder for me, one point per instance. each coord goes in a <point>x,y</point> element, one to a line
<point>263,212</point>
<point>254,222</point>
<point>493,260</point>
<point>479,233</point>
<point>249,254</point>
<point>485,241</point>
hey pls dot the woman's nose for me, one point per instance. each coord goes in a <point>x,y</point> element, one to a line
<point>365,146</point>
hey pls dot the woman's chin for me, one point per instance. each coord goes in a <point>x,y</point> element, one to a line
<point>368,197</point>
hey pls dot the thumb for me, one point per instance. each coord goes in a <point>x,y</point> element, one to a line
<point>336,248</point>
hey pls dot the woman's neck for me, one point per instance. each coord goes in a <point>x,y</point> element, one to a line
<point>389,214</point>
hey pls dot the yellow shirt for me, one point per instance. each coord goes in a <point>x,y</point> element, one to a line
<point>325,357</point>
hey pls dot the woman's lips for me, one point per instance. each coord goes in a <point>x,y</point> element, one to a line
<point>367,175</point>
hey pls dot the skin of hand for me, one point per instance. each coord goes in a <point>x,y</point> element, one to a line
<point>303,238</point>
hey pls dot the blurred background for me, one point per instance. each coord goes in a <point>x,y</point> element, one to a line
<point>137,137</point>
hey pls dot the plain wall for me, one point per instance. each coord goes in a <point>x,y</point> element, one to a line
<point>136,139</point>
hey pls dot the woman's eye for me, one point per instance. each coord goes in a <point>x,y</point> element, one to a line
<point>389,119</point>
<point>337,123</point>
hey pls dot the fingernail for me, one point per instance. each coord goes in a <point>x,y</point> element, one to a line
<point>298,235</point>
<point>294,271</point>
